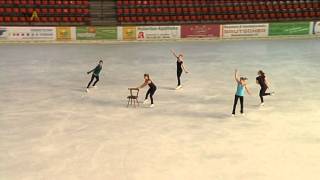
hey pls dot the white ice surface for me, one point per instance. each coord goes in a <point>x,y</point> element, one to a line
<point>51,130</point>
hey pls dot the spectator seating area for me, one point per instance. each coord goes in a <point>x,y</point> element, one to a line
<point>222,11</point>
<point>47,11</point>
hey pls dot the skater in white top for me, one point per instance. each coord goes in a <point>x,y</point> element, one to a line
<point>180,67</point>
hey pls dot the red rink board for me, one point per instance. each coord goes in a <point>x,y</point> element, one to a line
<point>200,31</point>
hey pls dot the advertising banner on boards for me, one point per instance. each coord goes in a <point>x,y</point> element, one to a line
<point>96,33</point>
<point>66,33</point>
<point>127,33</point>
<point>158,32</point>
<point>289,28</point>
<point>28,33</point>
<point>200,31</point>
<point>244,30</point>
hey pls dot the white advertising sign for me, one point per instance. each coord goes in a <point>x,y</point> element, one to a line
<point>245,30</point>
<point>158,32</point>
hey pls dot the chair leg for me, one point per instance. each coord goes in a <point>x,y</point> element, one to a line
<point>138,102</point>
<point>128,102</point>
<point>134,102</point>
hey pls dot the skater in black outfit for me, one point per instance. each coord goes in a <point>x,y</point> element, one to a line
<point>180,68</point>
<point>263,82</point>
<point>95,74</point>
<point>152,89</point>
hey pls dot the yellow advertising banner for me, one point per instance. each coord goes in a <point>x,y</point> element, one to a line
<point>129,33</point>
<point>64,33</point>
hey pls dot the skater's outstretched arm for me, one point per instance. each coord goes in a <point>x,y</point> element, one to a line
<point>184,69</point>
<point>247,89</point>
<point>236,76</point>
<point>143,85</point>
<point>174,53</point>
<point>92,70</point>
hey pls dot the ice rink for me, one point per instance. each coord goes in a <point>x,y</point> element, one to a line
<point>50,129</point>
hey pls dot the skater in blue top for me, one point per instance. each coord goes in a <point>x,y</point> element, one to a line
<point>242,86</point>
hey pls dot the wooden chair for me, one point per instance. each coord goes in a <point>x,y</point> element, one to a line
<point>133,97</point>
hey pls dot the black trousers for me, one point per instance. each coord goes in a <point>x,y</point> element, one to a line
<point>179,72</point>
<point>236,98</point>
<point>263,93</point>
<point>92,78</point>
<point>151,92</point>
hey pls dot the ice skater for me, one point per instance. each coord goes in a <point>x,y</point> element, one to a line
<point>241,87</point>
<point>152,89</point>
<point>95,75</point>
<point>180,68</point>
<point>264,85</point>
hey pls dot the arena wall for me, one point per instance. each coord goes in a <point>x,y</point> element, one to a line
<point>156,33</point>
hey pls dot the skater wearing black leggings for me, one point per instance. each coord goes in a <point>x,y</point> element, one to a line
<point>95,75</point>
<point>180,68</point>
<point>152,89</point>
<point>241,86</point>
<point>262,81</point>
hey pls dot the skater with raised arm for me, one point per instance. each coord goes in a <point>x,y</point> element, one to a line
<point>95,75</point>
<point>180,68</point>
<point>152,89</point>
<point>241,87</point>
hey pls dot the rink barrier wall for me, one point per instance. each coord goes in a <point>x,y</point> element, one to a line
<point>158,33</point>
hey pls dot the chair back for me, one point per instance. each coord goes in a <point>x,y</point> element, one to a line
<point>134,92</point>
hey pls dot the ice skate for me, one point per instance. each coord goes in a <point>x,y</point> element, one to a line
<point>178,87</point>
<point>145,101</point>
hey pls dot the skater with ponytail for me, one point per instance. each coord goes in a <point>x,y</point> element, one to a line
<point>152,88</point>
<point>264,85</point>
<point>241,87</point>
